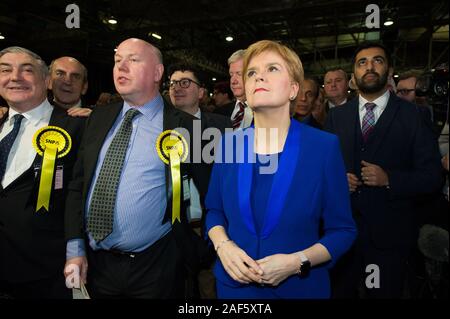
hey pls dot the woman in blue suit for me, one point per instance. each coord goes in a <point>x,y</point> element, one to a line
<point>279,204</point>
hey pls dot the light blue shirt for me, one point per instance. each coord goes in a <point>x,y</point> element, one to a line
<point>141,197</point>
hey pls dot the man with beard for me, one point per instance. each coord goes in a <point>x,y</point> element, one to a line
<point>391,158</point>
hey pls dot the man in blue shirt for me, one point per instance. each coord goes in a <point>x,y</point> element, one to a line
<point>143,254</point>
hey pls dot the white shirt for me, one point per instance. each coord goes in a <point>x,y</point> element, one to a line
<point>381,103</point>
<point>198,114</point>
<point>22,153</point>
<point>331,104</point>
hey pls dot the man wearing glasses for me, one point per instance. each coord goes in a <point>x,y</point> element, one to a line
<point>186,91</point>
<point>406,89</point>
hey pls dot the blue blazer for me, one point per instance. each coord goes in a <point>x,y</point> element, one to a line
<point>314,189</point>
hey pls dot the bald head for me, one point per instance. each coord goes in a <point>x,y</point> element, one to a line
<point>68,81</point>
<point>138,70</point>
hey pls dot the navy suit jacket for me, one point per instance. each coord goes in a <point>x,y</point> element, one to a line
<point>402,145</point>
<point>318,193</point>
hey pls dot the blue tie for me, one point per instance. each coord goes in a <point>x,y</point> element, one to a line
<point>7,142</point>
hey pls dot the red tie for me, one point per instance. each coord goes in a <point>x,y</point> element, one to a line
<point>238,116</point>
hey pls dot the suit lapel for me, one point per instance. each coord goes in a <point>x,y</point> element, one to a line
<point>171,120</point>
<point>352,115</point>
<point>93,147</point>
<point>383,124</point>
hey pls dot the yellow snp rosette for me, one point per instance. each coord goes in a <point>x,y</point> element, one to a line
<point>172,149</point>
<point>50,142</point>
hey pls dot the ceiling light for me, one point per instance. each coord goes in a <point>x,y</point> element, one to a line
<point>388,22</point>
<point>112,20</point>
<point>214,79</point>
<point>229,38</point>
<point>156,36</point>
<point>2,37</point>
<point>395,75</point>
<point>115,50</point>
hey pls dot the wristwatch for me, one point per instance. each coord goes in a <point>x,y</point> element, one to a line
<point>305,266</point>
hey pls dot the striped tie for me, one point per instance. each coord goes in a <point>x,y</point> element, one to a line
<point>368,121</point>
<point>103,201</point>
<point>238,116</point>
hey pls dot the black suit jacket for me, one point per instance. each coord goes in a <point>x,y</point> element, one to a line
<point>32,245</point>
<point>310,120</point>
<point>191,247</point>
<point>226,109</point>
<point>405,148</point>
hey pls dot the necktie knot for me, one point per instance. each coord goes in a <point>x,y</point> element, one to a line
<point>130,114</point>
<point>369,106</point>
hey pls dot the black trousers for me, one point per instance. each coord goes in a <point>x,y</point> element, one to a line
<point>48,288</point>
<point>352,278</point>
<point>155,273</point>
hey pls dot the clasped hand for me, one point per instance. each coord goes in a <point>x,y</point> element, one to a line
<point>270,270</point>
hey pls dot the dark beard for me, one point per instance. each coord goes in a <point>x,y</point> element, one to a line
<point>375,87</point>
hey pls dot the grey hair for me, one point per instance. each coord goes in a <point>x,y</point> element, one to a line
<point>42,65</point>
<point>83,68</point>
<point>236,56</point>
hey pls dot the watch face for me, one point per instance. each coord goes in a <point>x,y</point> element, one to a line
<point>304,268</point>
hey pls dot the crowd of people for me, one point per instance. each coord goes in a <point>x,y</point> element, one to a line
<point>111,194</point>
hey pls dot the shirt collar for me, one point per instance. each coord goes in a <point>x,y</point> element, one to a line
<point>381,101</point>
<point>35,115</point>
<point>198,114</point>
<point>149,109</point>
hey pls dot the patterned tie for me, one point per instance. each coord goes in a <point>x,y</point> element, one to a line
<point>368,121</point>
<point>101,212</point>
<point>7,142</point>
<point>238,116</point>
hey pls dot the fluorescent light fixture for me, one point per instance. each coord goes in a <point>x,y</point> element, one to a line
<point>395,75</point>
<point>214,79</point>
<point>2,37</point>
<point>112,20</point>
<point>388,22</point>
<point>156,36</point>
<point>229,38</point>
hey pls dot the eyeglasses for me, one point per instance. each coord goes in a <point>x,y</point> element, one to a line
<point>183,83</point>
<point>405,91</point>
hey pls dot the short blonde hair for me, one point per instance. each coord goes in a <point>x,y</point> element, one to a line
<point>293,63</point>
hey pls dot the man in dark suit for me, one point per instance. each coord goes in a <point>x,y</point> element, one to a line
<point>186,90</point>
<point>137,245</point>
<point>391,158</point>
<point>223,99</point>
<point>335,84</point>
<point>32,244</point>
<point>68,83</point>
<point>242,115</point>
<point>306,100</point>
